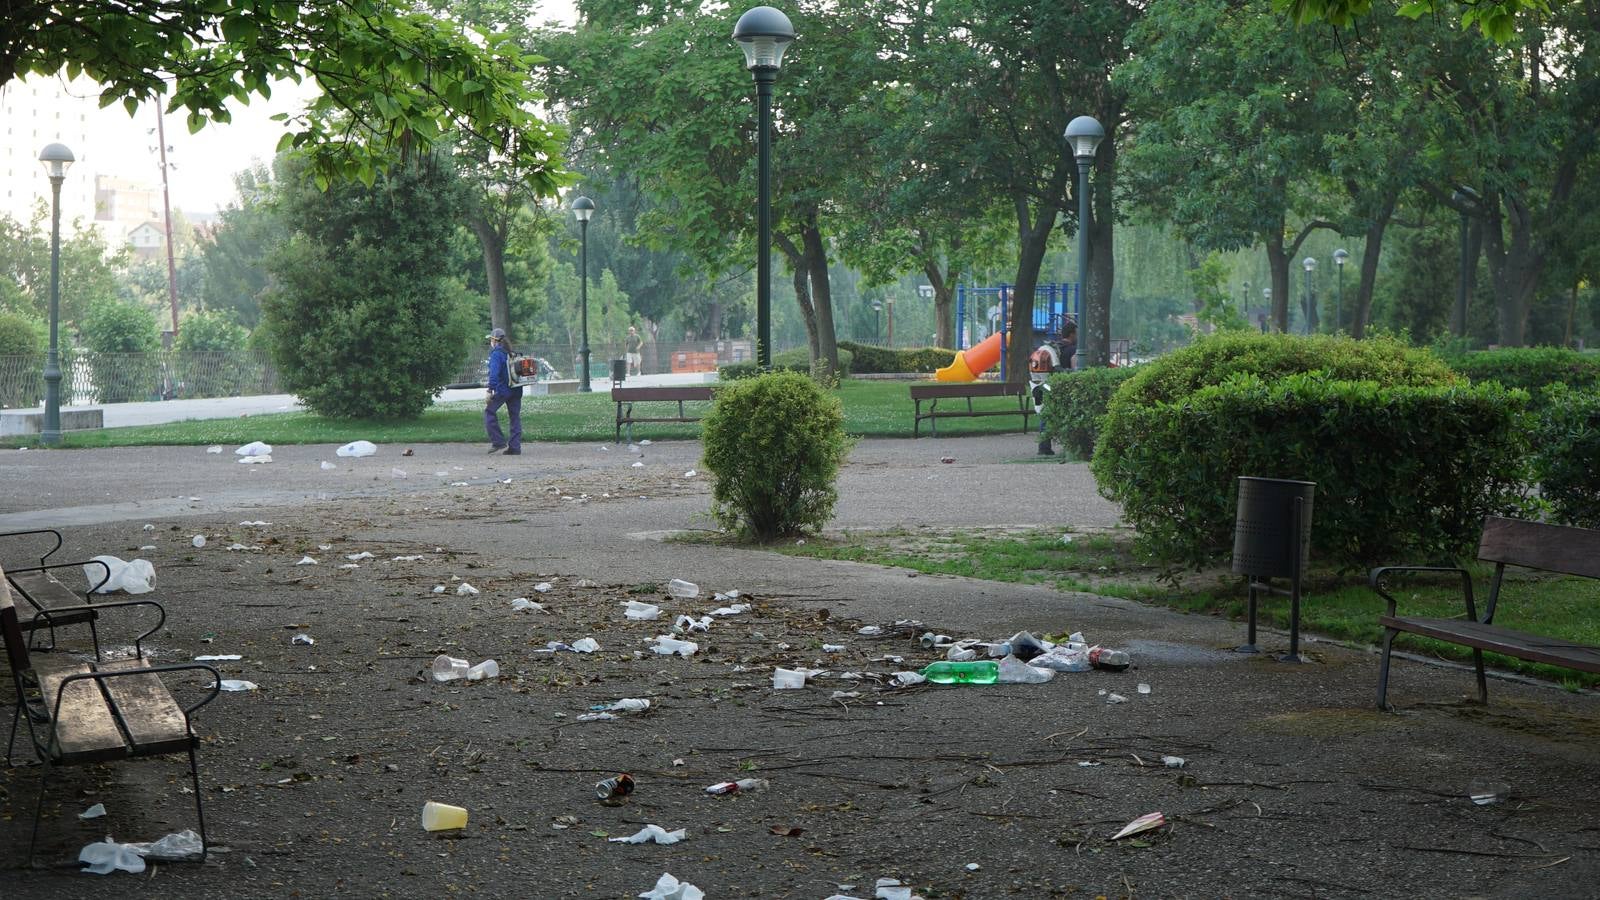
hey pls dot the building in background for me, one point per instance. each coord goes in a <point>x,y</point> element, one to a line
<point>39,111</point>
<point>122,207</point>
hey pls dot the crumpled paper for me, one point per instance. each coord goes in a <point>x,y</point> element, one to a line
<point>651,833</point>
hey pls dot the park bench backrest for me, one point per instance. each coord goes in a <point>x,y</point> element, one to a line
<point>1553,548</point>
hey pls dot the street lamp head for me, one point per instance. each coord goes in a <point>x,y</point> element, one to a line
<point>56,158</point>
<point>1266,293</point>
<point>1309,262</point>
<point>583,209</point>
<point>1464,195</point>
<point>763,34</point>
<point>1340,256</point>
<point>1085,134</point>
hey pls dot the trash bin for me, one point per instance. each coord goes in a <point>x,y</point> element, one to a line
<point>1264,527</point>
<point>619,371</point>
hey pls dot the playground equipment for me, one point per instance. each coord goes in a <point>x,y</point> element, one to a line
<point>1060,305</point>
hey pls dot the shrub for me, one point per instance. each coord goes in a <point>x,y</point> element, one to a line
<point>125,340</point>
<point>21,334</point>
<point>1403,473</point>
<point>23,340</point>
<point>795,359</point>
<point>774,443</point>
<point>211,361</point>
<point>1217,358</point>
<point>1075,404</point>
<point>1566,460</point>
<point>1529,368</point>
<point>870,359</point>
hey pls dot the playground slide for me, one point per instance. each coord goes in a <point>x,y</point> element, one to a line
<point>972,362</point>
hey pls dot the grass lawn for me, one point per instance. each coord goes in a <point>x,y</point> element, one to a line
<point>871,409</point>
<point>1336,605</point>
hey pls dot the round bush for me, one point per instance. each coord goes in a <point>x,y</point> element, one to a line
<point>774,443</point>
<point>211,361</point>
<point>20,334</point>
<point>1075,404</point>
<point>125,339</point>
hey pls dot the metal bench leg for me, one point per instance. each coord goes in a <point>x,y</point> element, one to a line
<point>199,806</point>
<point>1483,685</point>
<point>1383,668</point>
<point>38,809</point>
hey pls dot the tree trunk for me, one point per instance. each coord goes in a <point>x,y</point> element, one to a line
<point>1102,261</point>
<point>492,241</point>
<point>825,358</point>
<point>1278,265</point>
<point>1514,267</point>
<point>944,303</point>
<point>1369,267</point>
<point>801,278</point>
<point>1033,241</point>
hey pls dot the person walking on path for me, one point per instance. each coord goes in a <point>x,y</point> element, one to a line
<point>633,346</point>
<point>501,393</point>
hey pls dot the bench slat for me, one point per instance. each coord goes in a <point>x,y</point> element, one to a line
<point>86,730</point>
<point>43,591</point>
<point>1520,644</point>
<point>1554,548</point>
<point>153,720</point>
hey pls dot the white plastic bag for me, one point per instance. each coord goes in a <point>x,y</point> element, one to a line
<point>254,448</point>
<point>1015,671</point>
<point>670,888</point>
<point>135,577</point>
<point>357,448</point>
<point>1063,658</point>
<point>652,833</point>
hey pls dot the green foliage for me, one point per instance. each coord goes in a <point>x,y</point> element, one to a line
<point>1402,472</point>
<point>1530,368</point>
<point>1217,307</point>
<point>210,331</point>
<point>211,361</point>
<point>21,333</point>
<point>86,274</point>
<point>1216,359</point>
<point>394,79</point>
<point>234,255</point>
<point>795,359</point>
<point>869,359</point>
<point>1566,459</point>
<point>124,339</point>
<point>362,322</point>
<point>1495,18</point>
<point>1076,403</point>
<point>774,443</point>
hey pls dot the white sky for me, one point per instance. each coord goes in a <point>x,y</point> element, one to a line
<point>203,164</point>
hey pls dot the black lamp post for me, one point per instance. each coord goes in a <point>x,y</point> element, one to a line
<point>763,33</point>
<point>1085,134</point>
<point>1340,257</point>
<point>56,158</point>
<point>1464,197</point>
<point>582,209</point>
<point>877,330</point>
<point>1310,264</point>
<point>1244,310</point>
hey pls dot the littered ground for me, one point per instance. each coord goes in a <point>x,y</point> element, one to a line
<point>1292,784</point>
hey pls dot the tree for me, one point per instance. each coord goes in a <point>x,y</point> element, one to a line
<point>235,253</point>
<point>391,79</point>
<point>87,275</point>
<point>1495,18</point>
<point>362,321</point>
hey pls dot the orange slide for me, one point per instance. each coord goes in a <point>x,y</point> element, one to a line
<point>972,362</point>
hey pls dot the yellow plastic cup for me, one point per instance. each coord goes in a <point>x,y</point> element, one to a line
<point>442,816</point>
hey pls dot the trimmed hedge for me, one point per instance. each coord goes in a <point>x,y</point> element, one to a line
<point>884,360</point>
<point>795,359</point>
<point>1566,460</point>
<point>1529,368</point>
<point>1076,403</point>
<point>1403,472</point>
<point>1217,358</point>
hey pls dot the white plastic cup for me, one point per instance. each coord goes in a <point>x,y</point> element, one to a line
<point>442,816</point>
<point>486,669</point>
<point>788,679</point>
<point>448,668</point>
<point>683,590</point>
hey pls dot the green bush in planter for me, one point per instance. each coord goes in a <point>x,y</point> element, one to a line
<point>1403,472</point>
<point>774,443</point>
<point>1075,404</point>
<point>1566,460</point>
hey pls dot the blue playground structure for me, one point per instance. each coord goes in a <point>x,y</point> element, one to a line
<point>1053,306</point>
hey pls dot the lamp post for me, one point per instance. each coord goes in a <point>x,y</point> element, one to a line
<point>1085,134</point>
<point>582,209</point>
<point>1266,298</point>
<point>877,331</point>
<point>1340,257</point>
<point>763,33</point>
<point>1310,263</point>
<point>56,158</point>
<point>1244,310</point>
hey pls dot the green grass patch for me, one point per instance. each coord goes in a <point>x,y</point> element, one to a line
<point>1340,606</point>
<point>871,409</point>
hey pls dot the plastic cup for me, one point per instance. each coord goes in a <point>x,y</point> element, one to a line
<point>442,817</point>
<point>448,668</point>
<point>788,679</point>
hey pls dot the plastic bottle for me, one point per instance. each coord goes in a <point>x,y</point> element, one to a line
<point>734,787</point>
<point>1110,660</point>
<point>619,786</point>
<point>976,672</point>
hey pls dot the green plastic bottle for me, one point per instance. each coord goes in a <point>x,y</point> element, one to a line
<point>978,672</point>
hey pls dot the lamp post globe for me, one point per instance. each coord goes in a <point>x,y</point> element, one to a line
<point>583,210</point>
<point>763,33</point>
<point>56,158</point>
<point>1085,134</point>
<point>1340,257</point>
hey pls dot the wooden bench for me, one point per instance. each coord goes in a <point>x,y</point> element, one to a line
<point>626,397</point>
<point>91,711</point>
<point>937,391</point>
<point>40,589</point>
<point>1505,542</point>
